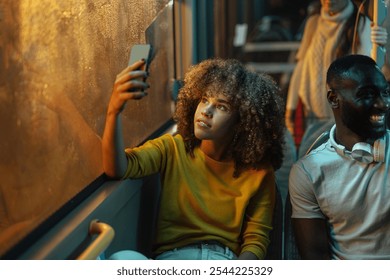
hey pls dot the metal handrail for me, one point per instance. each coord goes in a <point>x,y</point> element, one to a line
<point>105,235</point>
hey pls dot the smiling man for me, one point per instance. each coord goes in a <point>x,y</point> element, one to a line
<point>340,192</point>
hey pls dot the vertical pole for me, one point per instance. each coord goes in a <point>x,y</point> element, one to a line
<point>378,53</point>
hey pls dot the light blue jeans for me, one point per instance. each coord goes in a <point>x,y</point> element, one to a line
<point>198,251</point>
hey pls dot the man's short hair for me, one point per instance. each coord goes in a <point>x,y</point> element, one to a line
<point>340,67</point>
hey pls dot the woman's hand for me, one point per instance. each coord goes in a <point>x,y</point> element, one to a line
<point>378,35</point>
<point>129,84</point>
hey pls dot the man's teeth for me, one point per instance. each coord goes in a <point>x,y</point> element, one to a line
<point>377,118</point>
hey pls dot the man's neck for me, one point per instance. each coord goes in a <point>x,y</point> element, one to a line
<point>347,138</point>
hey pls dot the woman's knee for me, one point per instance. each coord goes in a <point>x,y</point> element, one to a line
<point>127,255</point>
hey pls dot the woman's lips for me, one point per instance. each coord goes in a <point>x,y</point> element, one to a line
<point>203,123</point>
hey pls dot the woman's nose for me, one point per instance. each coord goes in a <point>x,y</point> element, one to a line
<point>207,112</point>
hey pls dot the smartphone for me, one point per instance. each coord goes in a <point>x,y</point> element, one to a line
<point>138,52</point>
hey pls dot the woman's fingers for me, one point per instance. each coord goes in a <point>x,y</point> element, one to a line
<point>132,86</point>
<point>124,77</point>
<point>129,84</point>
<point>137,65</point>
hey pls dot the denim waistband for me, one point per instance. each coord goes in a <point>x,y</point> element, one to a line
<point>202,250</point>
<point>211,245</point>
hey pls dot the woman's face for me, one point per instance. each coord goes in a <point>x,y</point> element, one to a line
<point>333,6</point>
<point>215,119</point>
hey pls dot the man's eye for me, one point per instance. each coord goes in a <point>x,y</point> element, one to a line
<point>386,93</point>
<point>204,100</point>
<point>368,93</point>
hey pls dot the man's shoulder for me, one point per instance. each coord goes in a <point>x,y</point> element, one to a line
<point>322,160</point>
<point>317,155</point>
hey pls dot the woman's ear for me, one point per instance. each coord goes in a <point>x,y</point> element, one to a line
<point>333,99</point>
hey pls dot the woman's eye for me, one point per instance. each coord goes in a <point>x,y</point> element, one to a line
<point>222,108</point>
<point>204,100</point>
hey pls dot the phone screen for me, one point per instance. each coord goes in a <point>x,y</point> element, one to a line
<point>139,52</point>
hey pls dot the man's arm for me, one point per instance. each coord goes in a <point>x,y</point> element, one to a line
<point>311,236</point>
<point>308,221</point>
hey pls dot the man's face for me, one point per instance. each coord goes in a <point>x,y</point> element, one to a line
<point>365,103</point>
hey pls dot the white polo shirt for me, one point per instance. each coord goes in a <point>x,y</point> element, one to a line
<point>353,197</point>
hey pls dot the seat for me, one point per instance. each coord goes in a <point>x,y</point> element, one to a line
<point>282,174</point>
<point>290,249</point>
<point>290,157</point>
<point>312,135</point>
<point>148,211</point>
<point>324,136</point>
<point>275,247</point>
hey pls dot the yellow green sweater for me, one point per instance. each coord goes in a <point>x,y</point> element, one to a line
<point>201,201</point>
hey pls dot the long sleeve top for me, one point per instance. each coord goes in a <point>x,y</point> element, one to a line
<point>202,201</point>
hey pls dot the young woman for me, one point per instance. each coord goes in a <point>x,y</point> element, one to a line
<point>217,172</point>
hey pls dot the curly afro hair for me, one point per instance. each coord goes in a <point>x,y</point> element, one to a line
<point>259,136</point>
